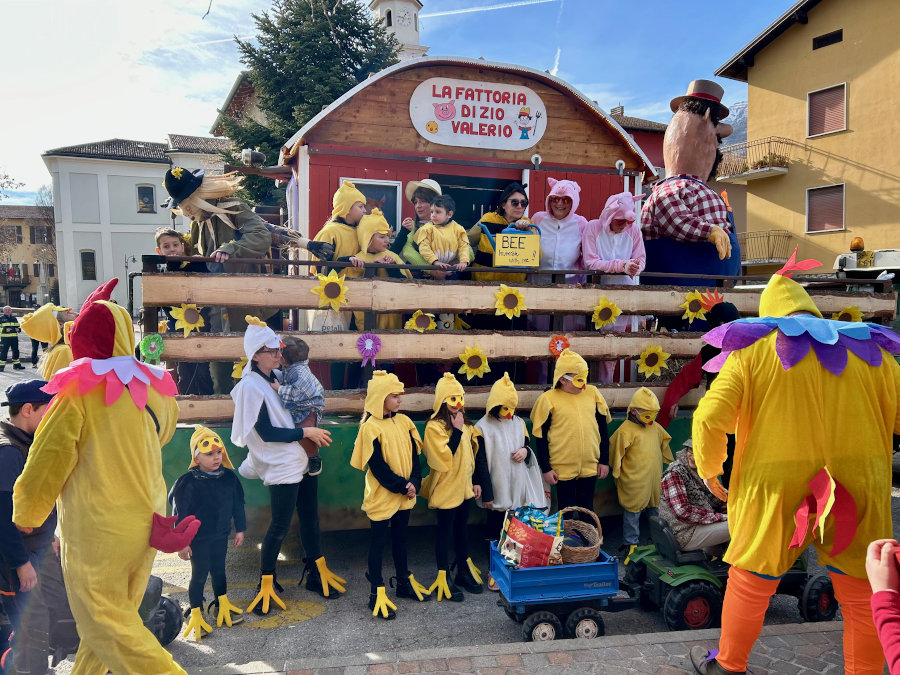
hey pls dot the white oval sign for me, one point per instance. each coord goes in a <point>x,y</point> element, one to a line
<point>471,114</point>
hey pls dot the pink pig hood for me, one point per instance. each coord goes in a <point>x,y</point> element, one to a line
<point>620,206</point>
<point>563,188</point>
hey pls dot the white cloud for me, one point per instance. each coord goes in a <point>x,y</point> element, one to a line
<point>89,71</point>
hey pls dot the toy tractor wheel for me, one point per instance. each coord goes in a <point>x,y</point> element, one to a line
<point>541,627</point>
<point>693,605</point>
<point>585,622</point>
<point>817,602</point>
<point>166,620</point>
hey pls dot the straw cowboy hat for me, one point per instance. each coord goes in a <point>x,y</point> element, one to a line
<point>705,89</point>
<point>427,183</point>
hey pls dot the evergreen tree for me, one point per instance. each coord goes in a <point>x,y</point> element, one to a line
<point>307,53</point>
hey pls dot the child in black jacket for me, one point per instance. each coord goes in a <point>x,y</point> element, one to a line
<point>211,492</point>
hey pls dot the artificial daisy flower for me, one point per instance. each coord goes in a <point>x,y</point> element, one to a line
<point>693,306</point>
<point>474,362</point>
<point>652,361</point>
<point>848,314</point>
<point>509,302</point>
<point>420,321</point>
<point>331,290</point>
<point>188,318</point>
<point>605,313</point>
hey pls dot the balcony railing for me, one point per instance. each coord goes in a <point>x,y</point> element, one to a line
<point>762,158</point>
<point>765,247</point>
<point>15,279</point>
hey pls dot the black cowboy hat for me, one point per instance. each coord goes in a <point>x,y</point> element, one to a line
<point>181,184</point>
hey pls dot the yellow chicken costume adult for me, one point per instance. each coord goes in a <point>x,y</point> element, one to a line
<point>98,451</point>
<point>636,455</point>
<point>813,404</point>
<point>574,437</point>
<point>42,325</point>
<point>368,226</point>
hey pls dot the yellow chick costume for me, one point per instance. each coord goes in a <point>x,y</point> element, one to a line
<point>341,235</point>
<point>636,456</point>
<point>43,326</point>
<point>574,437</point>
<point>790,423</point>
<point>447,243</point>
<point>450,480</point>
<point>394,434</point>
<point>98,451</point>
<point>368,226</point>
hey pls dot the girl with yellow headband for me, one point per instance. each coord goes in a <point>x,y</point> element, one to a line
<point>451,447</point>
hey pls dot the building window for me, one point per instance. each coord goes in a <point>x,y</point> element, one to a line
<point>388,19</point>
<point>11,234</point>
<point>831,38</point>
<point>827,110</point>
<point>825,208</point>
<point>41,234</point>
<point>51,270</point>
<point>37,270</point>
<point>146,199</point>
<point>416,21</point>
<point>88,266</point>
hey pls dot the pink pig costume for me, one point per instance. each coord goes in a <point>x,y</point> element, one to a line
<point>608,252</point>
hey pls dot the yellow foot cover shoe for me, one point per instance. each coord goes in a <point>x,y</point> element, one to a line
<point>381,605</point>
<point>225,611</point>
<point>329,578</point>
<point>266,593</point>
<point>197,625</point>
<point>474,571</point>
<point>410,588</point>
<point>444,589</point>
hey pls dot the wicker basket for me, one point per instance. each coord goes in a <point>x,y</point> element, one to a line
<point>592,535</point>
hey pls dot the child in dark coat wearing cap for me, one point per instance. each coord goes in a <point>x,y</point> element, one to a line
<point>212,493</point>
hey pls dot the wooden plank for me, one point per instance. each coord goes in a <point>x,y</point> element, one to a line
<point>386,295</point>
<point>440,345</point>
<point>195,409</point>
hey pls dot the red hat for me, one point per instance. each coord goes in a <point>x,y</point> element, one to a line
<point>706,90</point>
<point>95,330</point>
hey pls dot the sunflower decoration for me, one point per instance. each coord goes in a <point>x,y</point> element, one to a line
<point>474,362</point>
<point>188,318</point>
<point>605,313</point>
<point>151,348</point>
<point>557,344</point>
<point>652,361</point>
<point>848,314</point>
<point>421,322</point>
<point>331,290</point>
<point>693,306</point>
<point>509,302</point>
<point>238,369</point>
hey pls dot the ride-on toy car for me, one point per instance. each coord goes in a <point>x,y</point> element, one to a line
<point>559,600</point>
<point>688,586</point>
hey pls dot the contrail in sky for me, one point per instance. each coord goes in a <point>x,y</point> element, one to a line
<point>504,5</point>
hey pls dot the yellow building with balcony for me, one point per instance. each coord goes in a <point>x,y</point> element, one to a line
<point>820,161</point>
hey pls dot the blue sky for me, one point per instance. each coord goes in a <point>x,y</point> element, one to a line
<point>87,70</point>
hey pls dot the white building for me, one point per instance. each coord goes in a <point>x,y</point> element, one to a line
<point>108,199</point>
<point>401,17</point>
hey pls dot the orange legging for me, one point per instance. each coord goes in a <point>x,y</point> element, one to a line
<point>747,598</point>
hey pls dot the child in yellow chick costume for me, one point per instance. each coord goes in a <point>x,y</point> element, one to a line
<point>813,404</point>
<point>43,325</point>
<point>98,451</point>
<point>210,491</point>
<point>570,425</point>
<point>638,449</point>
<point>387,448</point>
<point>374,236</point>
<point>451,443</point>
<point>349,207</point>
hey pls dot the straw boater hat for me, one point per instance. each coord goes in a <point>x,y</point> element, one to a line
<point>705,89</point>
<point>427,183</point>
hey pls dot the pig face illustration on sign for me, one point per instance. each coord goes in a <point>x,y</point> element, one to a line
<point>445,111</point>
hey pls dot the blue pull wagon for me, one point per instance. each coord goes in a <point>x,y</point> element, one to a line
<point>560,600</point>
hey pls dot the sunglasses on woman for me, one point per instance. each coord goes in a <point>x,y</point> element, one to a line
<point>518,202</point>
<point>267,350</point>
<point>560,199</point>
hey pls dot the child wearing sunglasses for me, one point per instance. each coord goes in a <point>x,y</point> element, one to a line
<point>451,447</point>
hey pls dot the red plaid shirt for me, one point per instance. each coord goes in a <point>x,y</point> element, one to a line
<point>684,208</point>
<point>675,494</point>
